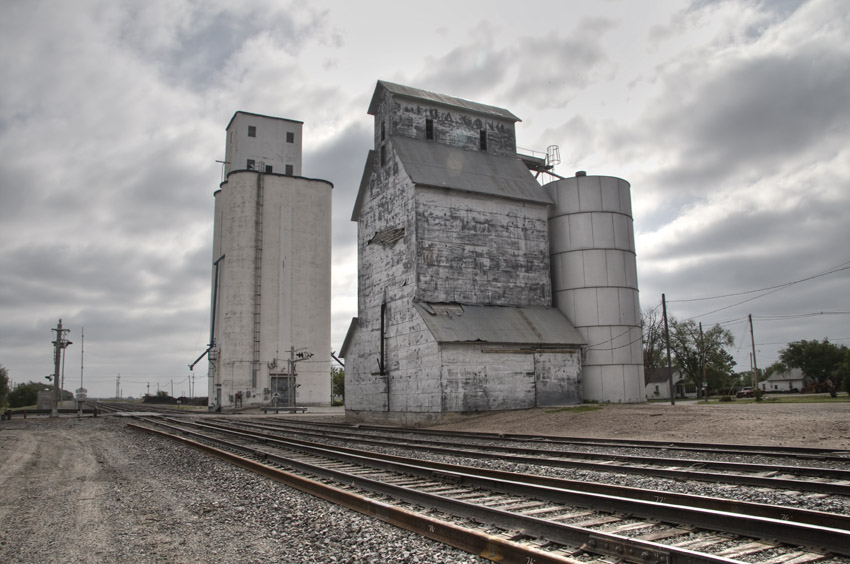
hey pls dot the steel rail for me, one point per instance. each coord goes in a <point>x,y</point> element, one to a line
<point>487,546</point>
<point>645,552</point>
<point>765,450</point>
<point>675,468</point>
<point>832,520</point>
<point>839,474</point>
<point>820,537</point>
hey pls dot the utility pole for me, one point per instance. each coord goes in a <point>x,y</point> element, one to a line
<point>291,369</point>
<point>172,388</point>
<point>755,364</point>
<point>702,360</point>
<point>118,386</point>
<point>667,340</point>
<point>59,346</point>
<point>82,352</point>
<point>149,388</point>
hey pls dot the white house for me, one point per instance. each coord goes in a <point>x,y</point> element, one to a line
<point>658,386</point>
<point>791,381</point>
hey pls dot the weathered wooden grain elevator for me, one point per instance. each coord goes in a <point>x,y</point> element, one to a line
<point>455,289</point>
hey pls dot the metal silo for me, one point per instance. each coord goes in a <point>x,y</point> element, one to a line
<point>594,281</point>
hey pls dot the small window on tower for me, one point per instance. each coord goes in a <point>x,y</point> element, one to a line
<point>250,165</point>
<point>383,155</point>
<point>289,170</point>
<point>252,131</point>
<point>383,131</point>
<point>482,140</point>
<point>290,137</point>
<point>429,129</point>
<point>269,169</point>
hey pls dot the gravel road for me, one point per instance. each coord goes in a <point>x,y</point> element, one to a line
<point>91,490</point>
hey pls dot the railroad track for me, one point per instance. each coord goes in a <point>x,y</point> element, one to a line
<point>519,518</point>
<point>666,446</point>
<point>772,474</point>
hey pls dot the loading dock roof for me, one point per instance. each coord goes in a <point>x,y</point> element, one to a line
<point>456,323</point>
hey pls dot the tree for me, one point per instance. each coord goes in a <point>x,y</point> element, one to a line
<point>690,351</point>
<point>4,386</point>
<point>654,349</point>
<point>26,394</point>
<point>337,383</point>
<point>819,360</point>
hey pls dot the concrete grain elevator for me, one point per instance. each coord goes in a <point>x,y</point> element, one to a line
<point>271,276</point>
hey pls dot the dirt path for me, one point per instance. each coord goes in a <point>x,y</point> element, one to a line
<point>825,425</point>
<point>69,496</point>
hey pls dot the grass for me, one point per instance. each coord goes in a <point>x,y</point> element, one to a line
<point>786,399</point>
<point>576,409</point>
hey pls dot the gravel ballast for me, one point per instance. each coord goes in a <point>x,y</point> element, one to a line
<point>92,490</point>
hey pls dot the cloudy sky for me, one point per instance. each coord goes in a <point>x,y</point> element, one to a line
<point>730,119</point>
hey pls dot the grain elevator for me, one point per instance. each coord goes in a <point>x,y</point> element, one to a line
<point>271,275</point>
<point>478,288</point>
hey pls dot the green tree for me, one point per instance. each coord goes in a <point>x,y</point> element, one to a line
<point>337,383</point>
<point>26,394</point>
<point>4,387</point>
<point>690,351</point>
<point>842,372</point>
<point>819,360</point>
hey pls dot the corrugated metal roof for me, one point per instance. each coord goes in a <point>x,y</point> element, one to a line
<point>442,166</point>
<point>417,93</point>
<point>455,323</point>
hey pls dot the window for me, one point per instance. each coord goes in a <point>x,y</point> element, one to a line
<point>289,170</point>
<point>269,169</point>
<point>383,131</point>
<point>482,140</point>
<point>252,131</point>
<point>383,155</point>
<point>429,129</point>
<point>250,164</point>
<point>290,137</point>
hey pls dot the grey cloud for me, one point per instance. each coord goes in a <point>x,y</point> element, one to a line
<point>341,161</point>
<point>754,115</point>
<point>545,72</point>
<point>194,46</point>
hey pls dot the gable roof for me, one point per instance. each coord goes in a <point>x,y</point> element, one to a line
<point>364,184</point>
<point>349,337</point>
<point>416,93</point>
<point>456,323</point>
<point>443,166</point>
<point>790,375</point>
<point>660,375</point>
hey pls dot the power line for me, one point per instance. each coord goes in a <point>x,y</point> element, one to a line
<point>843,266</point>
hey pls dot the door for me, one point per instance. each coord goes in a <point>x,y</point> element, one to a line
<point>282,385</point>
<point>557,378</point>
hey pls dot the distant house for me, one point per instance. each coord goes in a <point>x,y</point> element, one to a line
<point>790,381</point>
<point>658,384</point>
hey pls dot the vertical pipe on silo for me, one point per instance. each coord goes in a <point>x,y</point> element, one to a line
<point>594,281</point>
